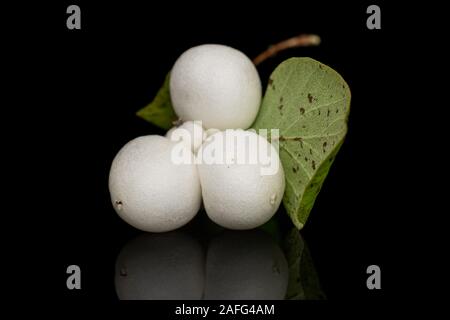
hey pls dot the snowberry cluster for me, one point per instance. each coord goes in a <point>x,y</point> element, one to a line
<point>213,89</point>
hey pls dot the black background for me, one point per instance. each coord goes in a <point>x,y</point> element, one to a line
<point>90,82</point>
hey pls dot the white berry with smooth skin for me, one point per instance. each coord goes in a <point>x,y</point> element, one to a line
<point>148,190</point>
<point>238,196</point>
<point>216,84</point>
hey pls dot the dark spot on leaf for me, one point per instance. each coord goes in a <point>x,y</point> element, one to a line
<point>281,99</point>
<point>331,159</point>
<point>312,185</point>
<point>310,151</point>
<point>270,81</point>
<point>294,170</point>
<point>328,113</point>
<point>343,86</point>
<point>310,98</point>
<point>324,144</point>
<point>337,110</point>
<point>319,112</point>
<point>302,110</point>
<point>314,165</point>
<point>279,108</point>
<point>304,126</point>
<point>306,159</point>
<point>298,139</point>
<point>320,66</point>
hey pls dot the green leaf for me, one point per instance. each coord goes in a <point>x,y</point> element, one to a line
<point>160,111</point>
<point>303,282</point>
<point>309,103</point>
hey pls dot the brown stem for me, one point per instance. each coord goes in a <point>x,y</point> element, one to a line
<point>302,40</point>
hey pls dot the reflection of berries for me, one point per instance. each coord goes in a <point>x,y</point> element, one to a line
<point>245,266</point>
<point>160,266</point>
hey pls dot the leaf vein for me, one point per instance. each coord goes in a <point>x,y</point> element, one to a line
<point>298,161</point>
<point>302,90</point>
<point>323,105</point>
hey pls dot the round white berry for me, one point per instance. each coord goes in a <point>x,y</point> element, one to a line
<point>216,84</point>
<point>242,191</point>
<point>151,192</point>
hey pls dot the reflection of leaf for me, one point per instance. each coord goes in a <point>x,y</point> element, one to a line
<point>160,111</point>
<point>272,227</point>
<point>303,280</point>
<point>309,103</point>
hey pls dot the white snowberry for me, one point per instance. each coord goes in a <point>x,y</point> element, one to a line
<point>216,84</point>
<point>151,192</point>
<point>239,193</point>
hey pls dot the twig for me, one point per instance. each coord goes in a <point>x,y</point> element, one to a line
<point>303,40</point>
